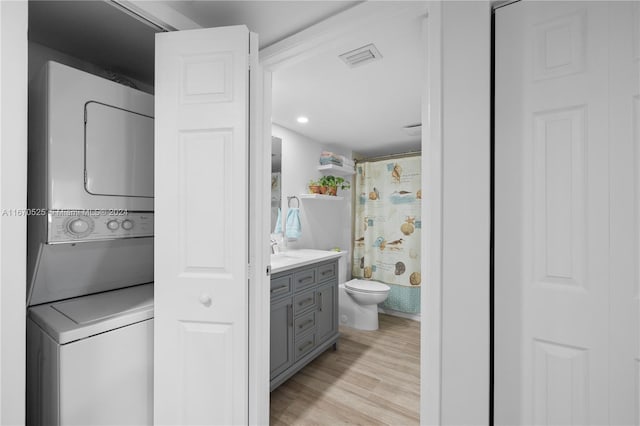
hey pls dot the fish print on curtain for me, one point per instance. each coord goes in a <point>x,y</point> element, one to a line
<point>387,221</point>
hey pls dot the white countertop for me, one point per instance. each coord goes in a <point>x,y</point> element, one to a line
<point>291,259</point>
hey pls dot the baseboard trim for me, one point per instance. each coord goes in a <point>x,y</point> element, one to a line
<point>414,317</point>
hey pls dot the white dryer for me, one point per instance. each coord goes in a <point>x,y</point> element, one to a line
<point>90,251</point>
<point>90,193</point>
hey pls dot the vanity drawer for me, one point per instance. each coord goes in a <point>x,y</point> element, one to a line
<point>304,346</point>
<point>280,286</point>
<point>304,323</point>
<point>303,302</point>
<point>304,278</point>
<point>326,272</point>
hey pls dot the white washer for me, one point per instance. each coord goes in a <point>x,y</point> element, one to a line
<point>90,359</point>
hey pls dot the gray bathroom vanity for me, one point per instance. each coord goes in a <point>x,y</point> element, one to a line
<point>304,311</point>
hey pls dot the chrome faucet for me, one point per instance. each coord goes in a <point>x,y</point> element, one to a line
<point>275,249</point>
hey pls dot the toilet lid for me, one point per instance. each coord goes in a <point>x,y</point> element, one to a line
<point>366,286</point>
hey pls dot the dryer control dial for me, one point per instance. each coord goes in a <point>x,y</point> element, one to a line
<point>79,226</point>
<point>127,224</point>
<point>113,225</point>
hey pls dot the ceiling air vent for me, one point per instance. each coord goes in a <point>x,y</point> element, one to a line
<point>361,56</point>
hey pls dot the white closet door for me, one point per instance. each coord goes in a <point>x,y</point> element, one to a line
<point>566,236</point>
<point>201,242</point>
<point>624,207</point>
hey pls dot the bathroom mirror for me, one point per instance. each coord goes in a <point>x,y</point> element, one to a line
<point>276,176</point>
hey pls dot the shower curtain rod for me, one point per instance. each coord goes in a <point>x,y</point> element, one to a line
<point>389,157</point>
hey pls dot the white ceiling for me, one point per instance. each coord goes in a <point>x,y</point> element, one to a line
<point>364,108</point>
<point>361,109</point>
<point>99,33</point>
<point>272,20</point>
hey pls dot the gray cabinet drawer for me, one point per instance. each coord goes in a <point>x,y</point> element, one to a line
<point>304,301</point>
<point>326,272</point>
<point>304,345</point>
<point>280,286</point>
<point>304,323</point>
<point>304,278</point>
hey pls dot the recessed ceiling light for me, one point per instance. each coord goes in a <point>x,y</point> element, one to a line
<point>303,120</point>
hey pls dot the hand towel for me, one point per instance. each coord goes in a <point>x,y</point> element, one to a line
<point>293,228</point>
<point>278,228</point>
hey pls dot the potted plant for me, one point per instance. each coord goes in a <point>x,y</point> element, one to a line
<point>333,183</point>
<point>342,184</point>
<point>314,186</point>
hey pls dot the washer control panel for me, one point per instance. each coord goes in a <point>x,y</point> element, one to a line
<point>68,226</point>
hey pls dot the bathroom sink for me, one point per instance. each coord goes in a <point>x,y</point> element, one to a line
<point>293,258</point>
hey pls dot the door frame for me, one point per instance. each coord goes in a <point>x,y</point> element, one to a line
<point>13,226</point>
<point>307,43</point>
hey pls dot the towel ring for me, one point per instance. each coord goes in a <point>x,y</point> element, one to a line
<point>293,197</point>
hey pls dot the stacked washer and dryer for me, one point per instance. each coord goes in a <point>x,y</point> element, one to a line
<point>90,251</point>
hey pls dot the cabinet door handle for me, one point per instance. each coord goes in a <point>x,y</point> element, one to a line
<point>306,323</point>
<point>290,315</point>
<point>326,271</point>
<point>279,289</point>
<point>305,346</point>
<point>320,301</point>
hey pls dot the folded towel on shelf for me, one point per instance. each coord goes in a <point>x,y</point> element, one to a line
<point>325,161</point>
<point>293,228</point>
<point>278,227</point>
<point>327,157</point>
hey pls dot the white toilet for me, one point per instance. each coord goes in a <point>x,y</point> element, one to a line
<point>358,300</point>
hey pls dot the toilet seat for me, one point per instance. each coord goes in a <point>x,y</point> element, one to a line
<point>366,286</point>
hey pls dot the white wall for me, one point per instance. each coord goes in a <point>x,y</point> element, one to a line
<point>325,224</point>
<point>466,31</point>
<point>13,195</point>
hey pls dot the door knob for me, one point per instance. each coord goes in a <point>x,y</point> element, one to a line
<point>205,299</point>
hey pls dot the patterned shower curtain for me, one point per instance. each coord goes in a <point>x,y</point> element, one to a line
<point>388,228</point>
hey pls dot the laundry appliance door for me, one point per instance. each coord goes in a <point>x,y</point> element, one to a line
<point>108,379</point>
<point>118,151</point>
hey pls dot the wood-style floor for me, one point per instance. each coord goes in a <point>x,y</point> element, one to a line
<point>373,378</point>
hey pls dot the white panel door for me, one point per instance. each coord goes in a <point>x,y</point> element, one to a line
<point>624,205</point>
<point>566,213</point>
<point>201,231</point>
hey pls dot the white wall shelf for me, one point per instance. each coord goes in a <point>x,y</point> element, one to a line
<point>336,170</point>
<point>320,197</point>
